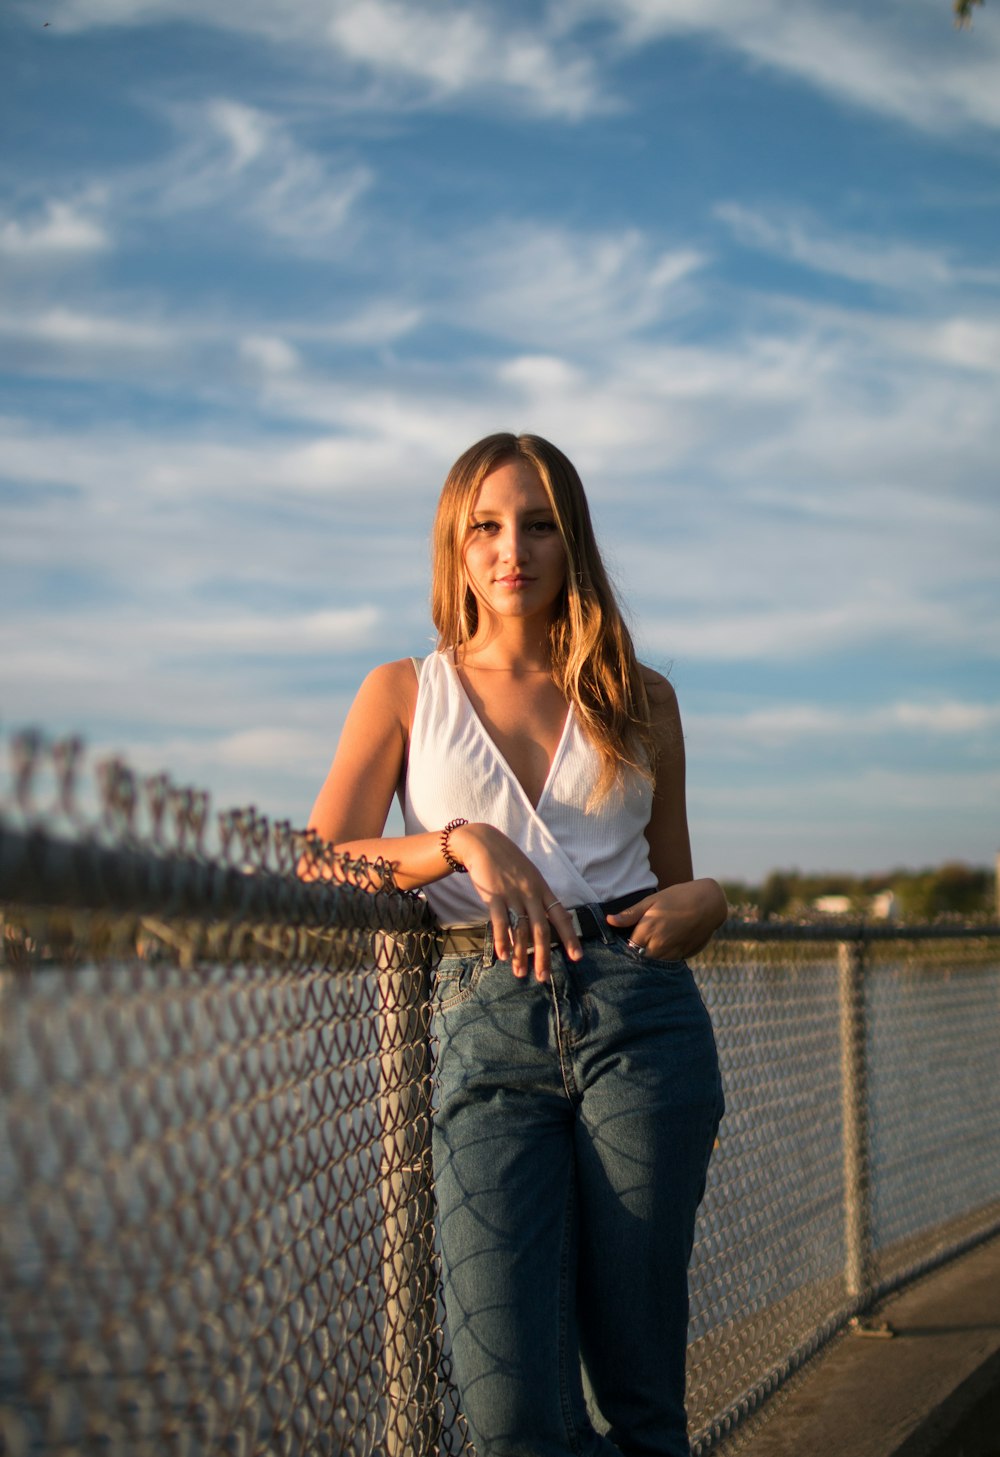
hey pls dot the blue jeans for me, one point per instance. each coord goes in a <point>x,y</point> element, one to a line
<point>572,1133</point>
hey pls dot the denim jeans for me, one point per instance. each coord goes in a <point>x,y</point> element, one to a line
<point>573,1129</point>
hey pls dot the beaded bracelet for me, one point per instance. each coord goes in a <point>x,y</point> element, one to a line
<point>449,858</point>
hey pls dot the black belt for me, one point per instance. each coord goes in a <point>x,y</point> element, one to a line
<point>468,940</point>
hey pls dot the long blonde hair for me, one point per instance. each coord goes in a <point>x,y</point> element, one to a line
<point>593,659</point>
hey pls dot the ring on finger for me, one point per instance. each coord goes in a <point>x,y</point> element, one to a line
<point>550,905</point>
<point>634,946</point>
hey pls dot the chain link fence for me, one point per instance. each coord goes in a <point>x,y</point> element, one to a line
<point>216,1206</point>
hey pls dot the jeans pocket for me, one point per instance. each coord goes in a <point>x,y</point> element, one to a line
<point>639,957</point>
<point>455,981</point>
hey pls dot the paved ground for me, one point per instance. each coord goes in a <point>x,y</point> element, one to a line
<point>931,1391</point>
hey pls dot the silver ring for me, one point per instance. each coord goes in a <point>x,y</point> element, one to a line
<point>639,950</point>
<point>550,905</point>
<point>514,919</point>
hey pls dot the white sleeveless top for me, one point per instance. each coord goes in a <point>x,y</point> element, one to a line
<point>455,769</point>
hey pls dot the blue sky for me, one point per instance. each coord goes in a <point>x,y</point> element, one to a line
<point>268,268</point>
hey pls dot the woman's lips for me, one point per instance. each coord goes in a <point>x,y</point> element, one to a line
<point>515,581</point>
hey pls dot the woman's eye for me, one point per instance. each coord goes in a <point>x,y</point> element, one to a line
<point>484,527</point>
<point>543,528</point>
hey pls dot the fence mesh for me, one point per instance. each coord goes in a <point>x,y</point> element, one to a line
<point>216,1206</point>
<point>861,1142</point>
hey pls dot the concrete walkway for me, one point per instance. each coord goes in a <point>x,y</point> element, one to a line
<point>931,1391</point>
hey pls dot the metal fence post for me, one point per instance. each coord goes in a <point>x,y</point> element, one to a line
<point>408,1265</point>
<point>854,1112</point>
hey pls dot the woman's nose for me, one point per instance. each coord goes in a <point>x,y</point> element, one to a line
<point>514,545</point>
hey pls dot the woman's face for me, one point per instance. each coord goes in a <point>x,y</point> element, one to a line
<point>513,553</point>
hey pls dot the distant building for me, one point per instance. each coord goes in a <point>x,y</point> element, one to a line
<point>832,905</point>
<point>881,907</point>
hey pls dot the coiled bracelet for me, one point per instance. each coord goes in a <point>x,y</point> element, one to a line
<point>449,858</point>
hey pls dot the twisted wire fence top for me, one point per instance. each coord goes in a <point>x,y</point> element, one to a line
<point>113,841</point>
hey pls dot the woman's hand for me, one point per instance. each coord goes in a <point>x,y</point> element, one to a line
<point>522,909</point>
<point>673,923</point>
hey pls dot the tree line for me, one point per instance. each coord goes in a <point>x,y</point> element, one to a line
<point>952,890</point>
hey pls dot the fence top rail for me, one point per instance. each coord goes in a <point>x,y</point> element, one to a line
<point>737,929</point>
<point>42,872</point>
<point>110,841</point>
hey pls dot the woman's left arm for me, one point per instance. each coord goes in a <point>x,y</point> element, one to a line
<point>681,916</point>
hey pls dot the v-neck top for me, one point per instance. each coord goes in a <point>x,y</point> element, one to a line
<point>454,769</point>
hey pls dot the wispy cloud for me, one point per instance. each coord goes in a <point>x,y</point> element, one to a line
<point>417,55</point>
<point>202,637</point>
<point>70,330</point>
<point>239,162</point>
<point>921,72</point>
<point>462,50</point>
<point>793,628</point>
<point>780,726</point>
<point>60,229</point>
<point>884,262</point>
<point>547,286</point>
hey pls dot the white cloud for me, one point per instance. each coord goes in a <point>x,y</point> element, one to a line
<point>968,343</point>
<point>945,718</point>
<point>466,50</point>
<point>803,627</point>
<point>269,353</point>
<point>380,322</point>
<point>911,66</point>
<point>164,475</point>
<point>64,229</point>
<point>241,161</point>
<point>270,748</point>
<point>73,330</point>
<point>789,723</point>
<point>904,62</point>
<point>871,259</point>
<point>416,54</point>
<point>84,640</point>
<point>551,288</point>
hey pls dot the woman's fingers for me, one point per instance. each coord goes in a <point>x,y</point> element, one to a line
<point>522,932</point>
<point>521,928</point>
<point>503,931</point>
<point>541,938</point>
<point>561,919</point>
<point>676,921</point>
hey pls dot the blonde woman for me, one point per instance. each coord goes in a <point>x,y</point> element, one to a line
<point>541,773</point>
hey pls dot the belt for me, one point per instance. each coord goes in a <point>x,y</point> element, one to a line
<point>468,940</point>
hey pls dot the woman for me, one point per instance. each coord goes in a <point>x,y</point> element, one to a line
<point>541,772</point>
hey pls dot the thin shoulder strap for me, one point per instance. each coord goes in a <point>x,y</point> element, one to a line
<point>417,665</point>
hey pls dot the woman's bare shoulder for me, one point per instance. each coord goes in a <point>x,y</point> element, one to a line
<point>398,674</point>
<point>659,690</point>
<point>392,688</point>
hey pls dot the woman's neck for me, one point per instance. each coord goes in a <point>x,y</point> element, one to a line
<point>513,645</point>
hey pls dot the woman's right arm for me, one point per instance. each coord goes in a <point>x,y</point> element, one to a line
<point>351,808</point>
<point>353,804</point>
